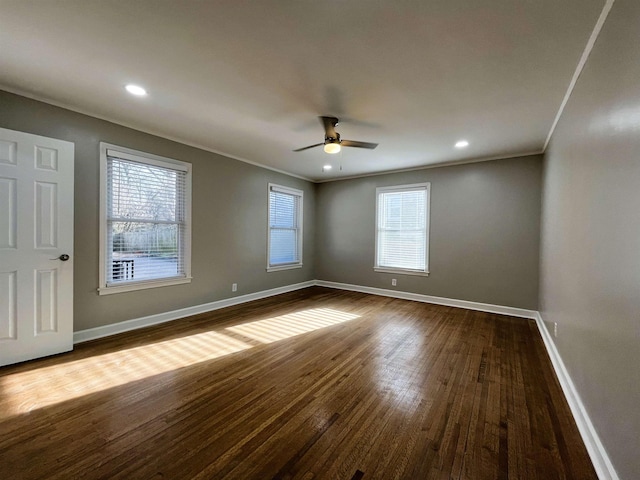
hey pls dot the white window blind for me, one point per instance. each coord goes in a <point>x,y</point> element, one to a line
<point>146,219</point>
<point>285,227</point>
<point>402,228</point>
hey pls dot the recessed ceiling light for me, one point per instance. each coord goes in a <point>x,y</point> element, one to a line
<point>327,167</point>
<point>136,90</point>
<point>462,144</point>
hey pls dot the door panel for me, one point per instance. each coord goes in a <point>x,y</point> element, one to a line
<point>46,319</point>
<point>8,151</point>
<point>8,301</point>
<point>46,211</point>
<point>36,228</point>
<point>8,213</point>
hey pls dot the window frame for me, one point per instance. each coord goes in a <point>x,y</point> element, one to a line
<point>426,186</point>
<point>157,161</point>
<point>300,238</point>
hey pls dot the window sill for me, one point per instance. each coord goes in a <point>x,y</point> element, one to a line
<point>283,267</point>
<point>130,287</point>
<point>401,271</point>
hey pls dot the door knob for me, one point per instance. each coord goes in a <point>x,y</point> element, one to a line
<point>64,257</point>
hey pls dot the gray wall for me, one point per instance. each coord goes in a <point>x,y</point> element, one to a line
<point>484,232</point>
<point>590,250</point>
<point>229,217</point>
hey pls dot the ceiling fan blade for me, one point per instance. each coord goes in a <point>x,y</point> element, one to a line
<point>329,124</point>
<point>310,146</point>
<point>355,143</point>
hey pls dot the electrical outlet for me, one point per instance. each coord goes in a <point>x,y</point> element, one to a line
<point>555,329</point>
<point>234,287</point>
<point>394,282</point>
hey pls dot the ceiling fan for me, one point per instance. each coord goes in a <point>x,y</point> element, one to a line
<point>332,141</point>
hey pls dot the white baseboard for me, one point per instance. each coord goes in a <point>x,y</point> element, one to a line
<point>599,457</point>
<point>128,325</point>
<point>418,297</point>
<point>133,324</point>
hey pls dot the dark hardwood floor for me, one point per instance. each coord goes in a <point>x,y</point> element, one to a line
<point>314,384</point>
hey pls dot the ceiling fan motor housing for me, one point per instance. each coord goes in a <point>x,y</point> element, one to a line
<point>335,139</point>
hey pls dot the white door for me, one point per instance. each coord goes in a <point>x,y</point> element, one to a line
<point>36,246</point>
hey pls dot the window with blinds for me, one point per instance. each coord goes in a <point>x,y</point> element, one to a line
<point>285,228</point>
<point>402,228</point>
<point>146,231</point>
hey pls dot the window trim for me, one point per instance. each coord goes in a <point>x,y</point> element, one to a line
<point>151,159</point>
<point>426,186</point>
<point>291,191</point>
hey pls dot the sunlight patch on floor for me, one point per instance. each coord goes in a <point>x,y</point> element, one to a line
<point>33,389</point>
<point>290,325</point>
<point>41,387</point>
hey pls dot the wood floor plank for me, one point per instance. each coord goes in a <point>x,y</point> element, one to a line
<point>313,384</point>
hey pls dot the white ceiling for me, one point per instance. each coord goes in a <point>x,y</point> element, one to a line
<point>248,78</point>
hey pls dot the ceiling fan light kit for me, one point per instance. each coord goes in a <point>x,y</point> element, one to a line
<point>332,147</point>
<point>332,142</point>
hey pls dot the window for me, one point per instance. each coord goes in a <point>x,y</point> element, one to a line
<point>285,228</point>
<point>145,213</point>
<point>402,229</point>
